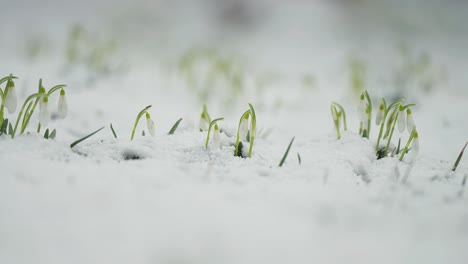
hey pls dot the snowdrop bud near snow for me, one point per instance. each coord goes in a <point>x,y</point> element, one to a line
<point>44,114</point>
<point>244,128</point>
<point>216,136</point>
<point>401,120</point>
<point>380,114</point>
<point>203,125</point>
<point>11,100</point>
<point>62,105</point>
<point>150,125</point>
<point>415,146</point>
<point>409,121</point>
<point>362,110</point>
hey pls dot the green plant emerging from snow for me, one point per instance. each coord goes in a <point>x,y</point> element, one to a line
<point>149,122</point>
<point>244,132</point>
<point>365,114</point>
<point>216,132</point>
<point>457,161</point>
<point>9,101</point>
<point>338,113</point>
<point>205,119</point>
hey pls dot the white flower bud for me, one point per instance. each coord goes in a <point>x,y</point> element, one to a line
<point>409,121</point>
<point>380,114</point>
<point>216,136</point>
<point>415,146</point>
<point>62,105</point>
<point>44,114</point>
<point>362,110</point>
<point>244,128</point>
<point>203,125</point>
<point>401,120</point>
<point>150,125</point>
<point>11,100</point>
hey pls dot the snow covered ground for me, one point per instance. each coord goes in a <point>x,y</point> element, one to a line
<point>182,203</point>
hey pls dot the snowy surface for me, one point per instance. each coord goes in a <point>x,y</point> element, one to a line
<point>182,203</point>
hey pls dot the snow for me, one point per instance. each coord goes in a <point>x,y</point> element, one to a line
<point>168,199</point>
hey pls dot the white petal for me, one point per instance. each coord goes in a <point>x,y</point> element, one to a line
<point>415,148</point>
<point>62,106</point>
<point>410,123</point>
<point>401,121</point>
<point>151,127</point>
<point>203,125</point>
<point>379,117</point>
<point>11,100</point>
<point>216,138</point>
<point>44,115</point>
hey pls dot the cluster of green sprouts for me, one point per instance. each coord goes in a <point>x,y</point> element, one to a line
<point>395,115</point>
<point>41,98</point>
<point>246,130</point>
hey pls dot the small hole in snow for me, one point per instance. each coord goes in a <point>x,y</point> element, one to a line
<point>130,154</point>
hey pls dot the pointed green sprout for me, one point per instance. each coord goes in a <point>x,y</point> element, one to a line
<point>137,119</point>
<point>213,123</point>
<point>413,135</point>
<point>455,165</point>
<point>396,112</point>
<point>338,112</point>
<point>287,152</point>
<point>252,132</point>
<point>30,106</point>
<point>85,137</point>
<point>174,127</point>
<point>113,131</point>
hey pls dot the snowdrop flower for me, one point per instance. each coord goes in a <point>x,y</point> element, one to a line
<point>62,105</point>
<point>409,121</point>
<point>415,145</point>
<point>401,119</point>
<point>244,128</point>
<point>362,110</point>
<point>216,136</point>
<point>11,100</point>
<point>203,125</point>
<point>380,114</point>
<point>44,114</point>
<point>150,125</point>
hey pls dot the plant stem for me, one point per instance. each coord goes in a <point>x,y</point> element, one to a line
<point>410,139</point>
<point>209,130</point>
<point>140,114</point>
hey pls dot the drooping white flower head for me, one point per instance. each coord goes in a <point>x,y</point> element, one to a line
<point>11,100</point>
<point>150,125</point>
<point>410,121</point>
<point>401,122</point>
<point>204,122</point>
<point>380,114</point>
<point>244,128</point>
<point>216,136</point>
<point>44,114</point>
<point>362,108</point>
<point>415,145</point>
<point>62,105</point>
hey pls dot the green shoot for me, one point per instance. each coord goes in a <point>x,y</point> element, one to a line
<point>137,119</point>
<point>413,136</point>
<point>113,131</point>
<point>338,112</point>
<point>398,108</point>
<point>174,127</point>
<point>212,123</point>
<point>286,153</point>
<point>53,134</point>
<point>455,165</point>
<point>84,138</point>
<point>252,132</point>
<point>365,114</point>
<point>299,158</point>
